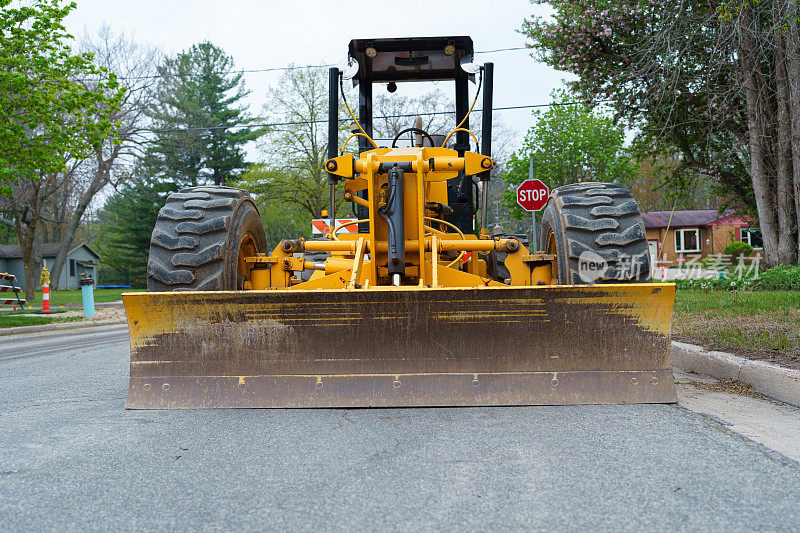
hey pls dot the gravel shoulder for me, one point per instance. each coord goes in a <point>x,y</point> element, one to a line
<point>101,313</point>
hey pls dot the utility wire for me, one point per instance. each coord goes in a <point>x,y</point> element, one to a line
<point>305,122</point>
<point>503,50</point>
<point>243,71</point>
<point>276,69</point>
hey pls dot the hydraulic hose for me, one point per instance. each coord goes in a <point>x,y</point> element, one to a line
<point>341,86</point>
<point>480,84</point>
<point>453,226</point>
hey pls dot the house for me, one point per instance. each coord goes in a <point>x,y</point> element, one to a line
<point>81,259</point>
<point>679,236</point>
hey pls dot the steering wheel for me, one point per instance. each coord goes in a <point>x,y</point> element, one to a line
<point>415,130</point>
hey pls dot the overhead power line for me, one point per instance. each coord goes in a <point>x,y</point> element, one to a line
<point>305,122</point>
<point>503,50</point>
<point>290,67</point>
<point>242,71</point>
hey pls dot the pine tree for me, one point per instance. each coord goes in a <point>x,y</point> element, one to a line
<point>125,223</point>
<point>198,99</point>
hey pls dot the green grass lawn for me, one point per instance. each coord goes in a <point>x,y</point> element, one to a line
<point>67,299</point>
<point>73,297</point>
<point>761,324</point>
<point>10,319</point>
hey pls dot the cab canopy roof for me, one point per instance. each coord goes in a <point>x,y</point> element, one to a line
<point>410,59</point>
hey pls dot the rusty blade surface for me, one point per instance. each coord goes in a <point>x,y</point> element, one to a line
<point>401,347</point>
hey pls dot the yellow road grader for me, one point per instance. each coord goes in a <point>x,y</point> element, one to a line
<point>419,307</point>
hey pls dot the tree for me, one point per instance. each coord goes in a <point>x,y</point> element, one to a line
<point>113,157</point>
<point>283,221</point>
<point>125,224</point>
<point>654,185</point>
<point>395,112</point>
<point>570,143</point>
<point>27,204</point>
<point>49,117</point>
<point>199,117</point>
<point>716,82</point>
<point>765,44</point>
<point>291,177</point>
<point>649,187</point>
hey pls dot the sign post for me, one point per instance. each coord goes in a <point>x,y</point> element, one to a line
<point>532,195</point>
<point>533,213</point>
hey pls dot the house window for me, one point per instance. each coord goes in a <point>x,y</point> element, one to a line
<point>71,267</point>
<point>752,236</point>
<point>687,240</point>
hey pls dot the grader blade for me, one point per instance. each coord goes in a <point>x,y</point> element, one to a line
<point>394,347</point>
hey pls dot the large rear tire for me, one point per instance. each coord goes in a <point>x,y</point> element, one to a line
<point>597,234</point>
<point>201,239</point>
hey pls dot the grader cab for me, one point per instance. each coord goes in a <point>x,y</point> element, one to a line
<point>421,306</point>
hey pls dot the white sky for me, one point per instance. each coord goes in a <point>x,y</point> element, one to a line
<point>267,33</point>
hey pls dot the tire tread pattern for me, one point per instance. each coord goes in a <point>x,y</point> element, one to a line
<point>189,241</point>
<point>602,218</point>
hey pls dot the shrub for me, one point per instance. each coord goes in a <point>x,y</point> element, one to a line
<point>780,278</point>
<point>717,284</point>
<point>737,248</point>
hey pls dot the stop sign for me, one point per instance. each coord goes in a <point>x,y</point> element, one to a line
<point>532,195</point>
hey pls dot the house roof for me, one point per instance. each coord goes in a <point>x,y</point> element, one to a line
<point>681,219</point>
<point>94,252</point>
<point>11,251</point>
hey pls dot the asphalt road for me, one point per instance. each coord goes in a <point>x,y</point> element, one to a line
<point>71,458</point>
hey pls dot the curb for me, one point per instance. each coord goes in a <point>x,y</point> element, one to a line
<point>773,381</point>
<point>20,330</point>
<point>117,303</point>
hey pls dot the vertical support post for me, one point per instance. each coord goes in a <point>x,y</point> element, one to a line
<point>333,135</point>
<point>459,190</point>
<point>332,202</point>
<point>19,300</point>
<point>358,262</point>
<point>365,113</point>
<point>420,185</point>
<point>533,213</point>
<point>365,118</point>
<point>486,137</point>
<point>434,261</point>
<point>372,214</point>
<point>462,108</point>
<point>486,118</point>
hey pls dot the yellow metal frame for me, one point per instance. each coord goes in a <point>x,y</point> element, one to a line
<point>358,260</point>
